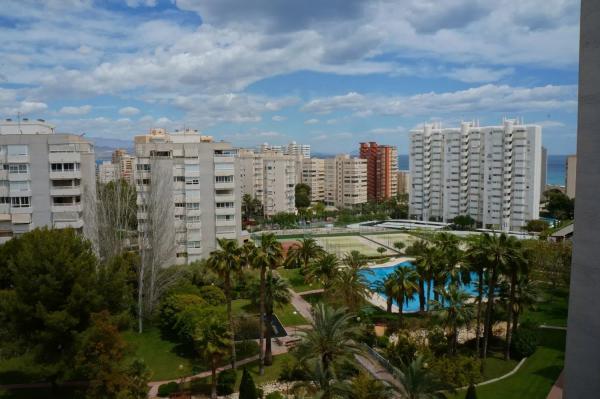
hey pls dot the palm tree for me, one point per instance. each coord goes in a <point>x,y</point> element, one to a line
<point>406,285</point>
<point>224,262</point>
<point>323,270</point>
<point>354,259</point>
<point>501,252</point>
<point>277,293</point>
<point>515,268</point>
<point>331,337</point>
<point>425,264</point>
<point>477,258</point>
<point>247,253</point>
<point>526,296</point>
<point>450,255</point>
<point>304,253</point>
<point>418,382</point>
<point>269,256</point>
<point>363,386</point>
<point>455,312</point>
<point>387,287</point>
<point>320,384</point>
<point>212,339</point>
<point>351,286</point>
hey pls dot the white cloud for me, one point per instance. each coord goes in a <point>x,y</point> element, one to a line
<point>312,121</point>
<point>278,118</point>
<point>129,111</point>
<point>478,74</point>
<point>81,110</point>
<point>387,130</point>
<point>550,124</point>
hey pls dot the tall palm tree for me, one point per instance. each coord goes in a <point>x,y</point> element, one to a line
<point>451,255</point>
<point>477,258</point>
<point>332,337</point>
<point>501,252</point>
<point>387,287</point>
<point>406,285</point>
<point>247,252</point>
<point>426,262</point>
<point>515,268</point>
<point>304,252</point>
<point>226,261</point>
<point>526,296</point>
<point>418,382</point>
<point>354,259</point>
<point>269,256</point>
<point>212,339</point>
<point>350,285</point>
<point>323,270</point>
<point>455,312</point>
<point>277,293</point>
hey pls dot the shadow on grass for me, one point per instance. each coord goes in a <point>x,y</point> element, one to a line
<point>549,372</point>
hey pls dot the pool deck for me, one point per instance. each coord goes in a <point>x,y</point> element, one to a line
<point>391,262</point>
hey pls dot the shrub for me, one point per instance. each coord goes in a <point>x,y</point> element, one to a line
<point>226,382</point>
<point>246,348</point>
<point>291,371</point>
<point>438,343</point>
<point>212,294</point>
<point>246,327</point>
<point>171,308</point>
<point>247,387</point>
<point>382,342</point>
<point>166,390</point>
<point>403,351</point>
<point>471,393</point>
<point>456,371</point>
<point>524,342</point>
<point>275,395</point>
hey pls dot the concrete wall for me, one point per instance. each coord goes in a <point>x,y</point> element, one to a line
<point>582,371</point>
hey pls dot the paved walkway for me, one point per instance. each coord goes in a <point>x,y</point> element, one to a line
<point>303,307</point>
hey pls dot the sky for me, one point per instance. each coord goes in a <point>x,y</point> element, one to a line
<point>329,73</point>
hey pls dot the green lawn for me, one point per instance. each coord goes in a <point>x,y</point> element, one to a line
<point>537,375</point>
<point>284,313</point>
<point>296,280</point>
<point>43,393</point>
<point>19,369</point>
<point>552,309</point>
<point>167,360</point>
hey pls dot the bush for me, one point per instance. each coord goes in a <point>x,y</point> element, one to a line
<point>524,343</point>
<point>226,382</point>
<point>403,351</point>
<point>212,294</point>
<point>246,327</point>
<point>247,387</point>
<point>438,343</point>
<point>171,308</point>
<point>275,395</point>
<point>471,393</point>
<point>291,371</point>
<point>246,348</point>
<point>382,342</point>
<point>456,371</point>
<point>166,390</point>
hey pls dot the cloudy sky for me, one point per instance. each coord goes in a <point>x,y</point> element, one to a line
<point>329,73</point>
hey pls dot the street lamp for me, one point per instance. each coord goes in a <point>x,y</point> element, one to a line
<point>295,327</point>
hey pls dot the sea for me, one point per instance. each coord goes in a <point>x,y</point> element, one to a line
<point>555,172</point>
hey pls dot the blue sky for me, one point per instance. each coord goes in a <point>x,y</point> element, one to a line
<point>330,73</point>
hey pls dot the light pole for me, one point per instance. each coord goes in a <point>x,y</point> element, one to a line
<point>295,327</point>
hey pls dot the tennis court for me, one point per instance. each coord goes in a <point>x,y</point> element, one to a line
<point>342,245</point>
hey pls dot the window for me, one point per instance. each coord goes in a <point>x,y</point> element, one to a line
<point>18,168</point>
<point>64,167</point>
<point>223,166</point>
<point>143,167</point>
<point>20,202</point>
<point>178,179</point>
<point>223,179</point>
<point>192,168</point>
<point>180,205</point>
<point>20,186</point>
<point>193,219</point>
<point>192,206</point>
<point>192,181</point>
<point>4,200</point>
<point>16,150</point>
<point>193,244</point>
<point>226,217</point>
<point>225,204</point>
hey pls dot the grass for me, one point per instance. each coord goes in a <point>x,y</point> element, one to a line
<point>284,313</point>
<point>535,377</point>
<point>552,309</point>
<point>166,359</point>
<point>389,239</point>
<point>343,245</point>
<point>20,369</point>
<point>296,280</point>
<point>43,393</point>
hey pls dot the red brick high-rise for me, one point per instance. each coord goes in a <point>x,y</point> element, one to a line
<point>382,165</point>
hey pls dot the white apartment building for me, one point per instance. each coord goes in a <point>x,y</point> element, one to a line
<point>107,172</point>
<point>491,173</point>
<point>271,177</point>
<point>123,165</point>
<point>196,178</point>
<point>313,174</point>
<point>45,177</point>
<point>345,181</point>
<point>292,148</point>
<point>570,175</point>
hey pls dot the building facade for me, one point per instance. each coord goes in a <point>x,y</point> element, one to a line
<point>293,148</point>
<point>403,183</point>
<point>193,180</point>
<point>313,174</point>
<point>490,173</point>
<point>107,172</point>
<point>345,181</point>
<point>271,177</point>
<point>46,178</point>
<point>570,175</point>
<point>543,171</point>
<point>123,165</point>
<point>382,165</point>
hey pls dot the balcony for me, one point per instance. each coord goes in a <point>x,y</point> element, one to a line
<point>17,159</point>
<point>224,185</point>
<point>64,157</point>
<point>193,225</point>
<point>226,211</point>
<point>71,174</point>
<point>194,251</point>
<point>220,223</point>
<point>19,176</point>
<point>66,208</point>
<point>65,191</point>
<point>75,224</point>
<point>225,198</point>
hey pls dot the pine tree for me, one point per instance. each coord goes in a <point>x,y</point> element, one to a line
<point>471,393</point>
<point>247,387</point>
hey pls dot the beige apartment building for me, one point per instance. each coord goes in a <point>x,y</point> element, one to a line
<point>190,182</point>
<point>571,169</point>
<point>403,182</point>
<point>313,174</point>
<point>46,178</point>
<point>345,181</point>
<point>106,173</point>
<point>271,177</point>
<point>123,165</point>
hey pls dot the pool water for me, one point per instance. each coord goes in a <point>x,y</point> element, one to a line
<point>380,273</point>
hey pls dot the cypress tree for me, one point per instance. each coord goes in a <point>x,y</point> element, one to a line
<point>247,387</point>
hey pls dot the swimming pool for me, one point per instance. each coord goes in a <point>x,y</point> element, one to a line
<point>380,273</point>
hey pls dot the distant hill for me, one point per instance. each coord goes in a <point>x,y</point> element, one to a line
<point>104,147</point>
